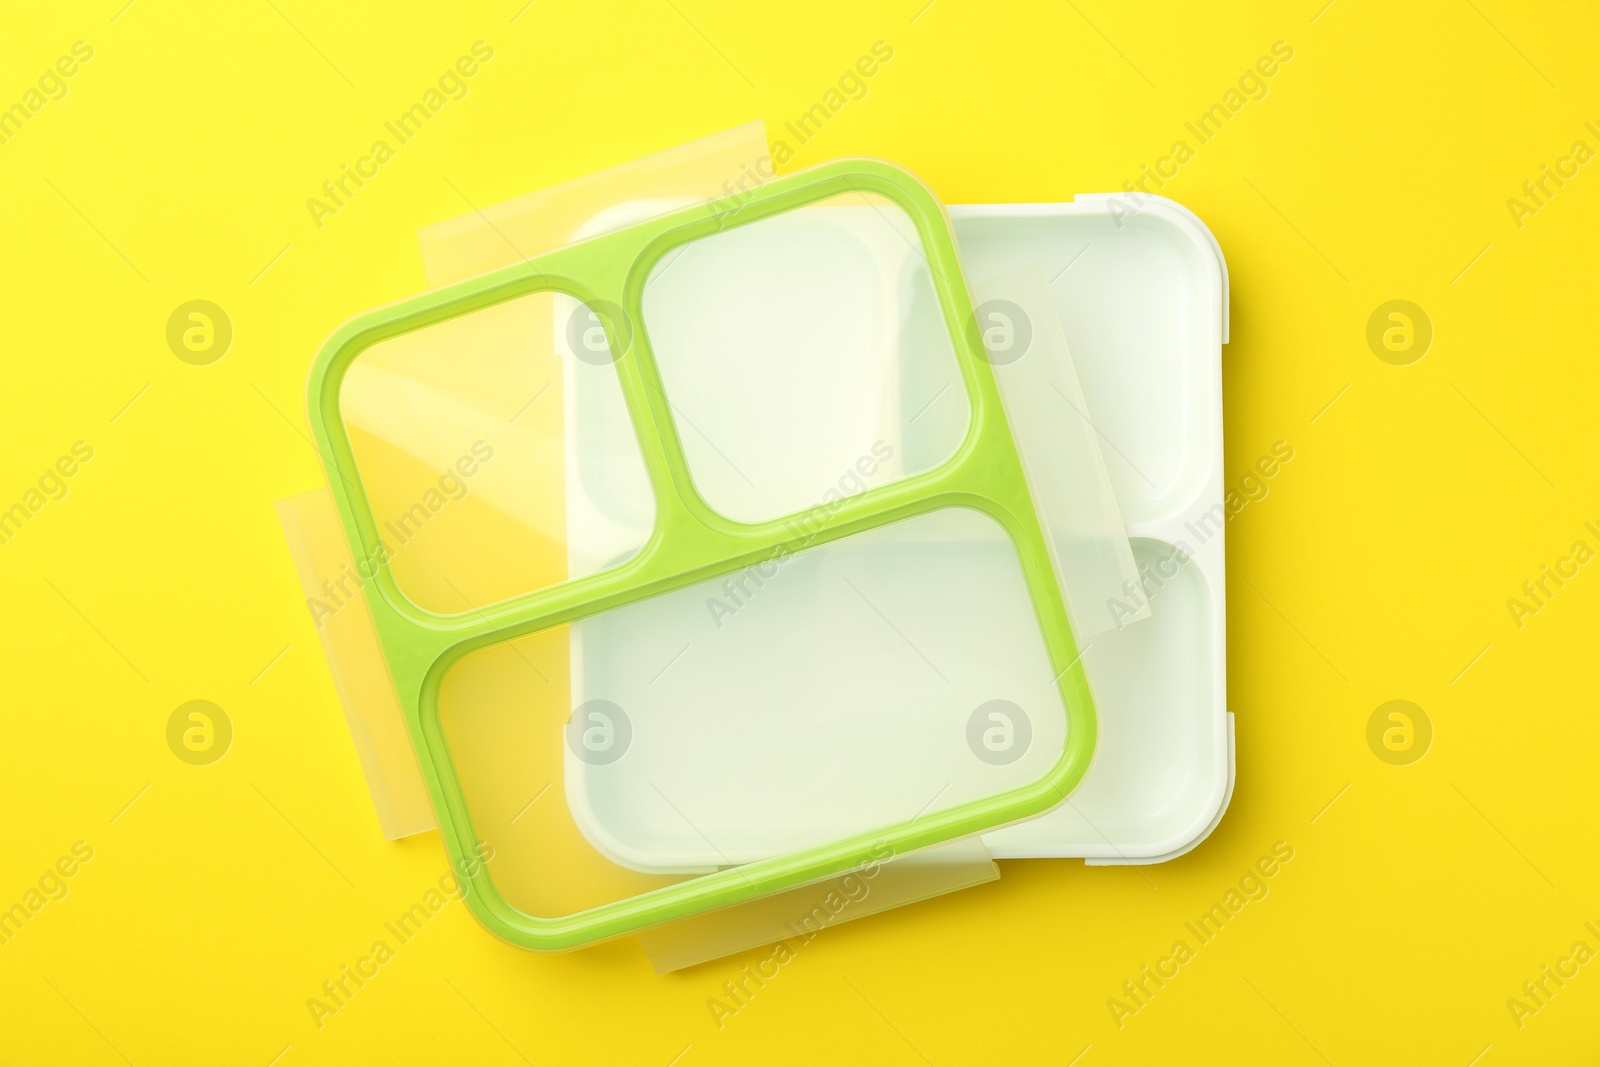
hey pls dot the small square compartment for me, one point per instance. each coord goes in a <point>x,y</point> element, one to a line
<point>460,435</point>
<point>805,356</point>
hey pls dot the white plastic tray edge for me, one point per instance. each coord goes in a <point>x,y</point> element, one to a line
<point>1193,842</point>
<point>1167,527</point>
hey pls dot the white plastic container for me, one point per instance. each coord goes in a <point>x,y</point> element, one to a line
<point>1140,291</point>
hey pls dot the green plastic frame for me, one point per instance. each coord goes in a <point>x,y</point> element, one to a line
<point>692,542</point>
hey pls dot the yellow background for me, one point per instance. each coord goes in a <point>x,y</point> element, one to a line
<point>1378,167</point>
